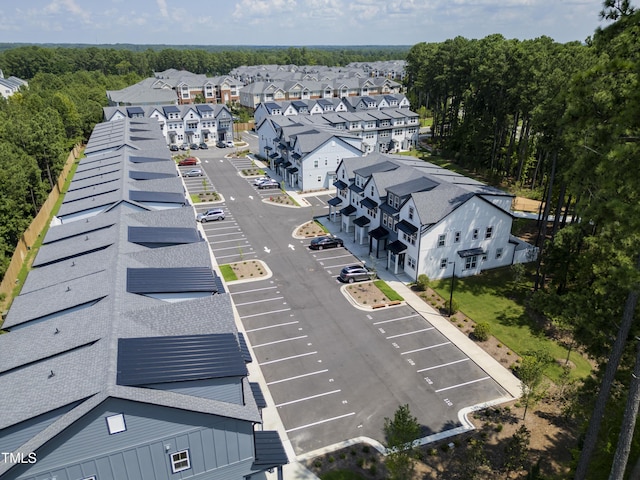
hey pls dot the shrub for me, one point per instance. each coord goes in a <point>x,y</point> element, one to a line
<point>366,449</point>
<point>482,331</point>
<point>422,283</point>
<point>451,306</point>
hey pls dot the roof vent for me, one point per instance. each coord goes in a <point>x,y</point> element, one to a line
<point>73,263</point>
<point>68,289</point>
<point>86,237</point>
<point>51,374</point>
<point>56,332</point>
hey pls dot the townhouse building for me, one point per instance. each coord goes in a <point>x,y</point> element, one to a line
<point>10,85</point>
<point>122,359</point>
<point>178,87</point>
<point>419,218</point>
<point>182,124</point>
<point>280,90</point>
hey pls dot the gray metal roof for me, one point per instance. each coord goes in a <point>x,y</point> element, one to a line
<point>258,395</point>
<point>269,450</point>
<point>170,280</point>
<point>151,236</point>
<point>139,175</point>
<point>149,360</point>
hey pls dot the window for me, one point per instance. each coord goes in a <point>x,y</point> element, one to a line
<point>115,424</point>
<point>90,478</point>
<point>444,262</point>
<point>475,234</point>
<point>409,238</point>
<point>410,213</point>
<point>315,164</point>
<point>441,240</point>
<point>498,253</point>
<point>180,461</point>
<point>412,262</point>
<point>372,190</point>
<point>488,232</point>
<point>319,179</point>
<point>470,262</point>
<point>456,237</point>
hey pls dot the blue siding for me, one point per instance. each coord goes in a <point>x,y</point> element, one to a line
<point>141,453</point>
<point>11,438</point>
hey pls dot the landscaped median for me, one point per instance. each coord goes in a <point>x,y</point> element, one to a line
<point>244,270</point>
<point>375,294</point>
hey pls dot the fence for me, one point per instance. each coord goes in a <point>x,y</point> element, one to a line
<point>33,231</point>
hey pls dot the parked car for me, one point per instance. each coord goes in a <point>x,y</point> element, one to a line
<point>259,180</point>
<point>211,215</point>
<point>320,243</point>
<point>195,172</point>
<point>194,146</point>
<point>270,183</point>
<point>203,146</point>
<point>173,148</point>
<point>229,144</point>
<point>188,162</point>
<point>356,273</point>
<point>221,144</point>
<point>184,146</point>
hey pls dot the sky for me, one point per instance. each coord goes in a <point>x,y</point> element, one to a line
<point>292,22</point>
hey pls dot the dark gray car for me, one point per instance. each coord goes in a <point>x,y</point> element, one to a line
<point>356,273</point>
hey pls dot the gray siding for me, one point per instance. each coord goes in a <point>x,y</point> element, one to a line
<point>11,438</point>
<point>216,445</point>
<point>222,389</point>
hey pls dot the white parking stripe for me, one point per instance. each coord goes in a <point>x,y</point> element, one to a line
<point>259,301</point>
<point>298,376</point>
<point>338,265</point>
<point>395,319</point>
<point>253,290</point>
<point>320,422</point>
<point>218,257</point>
<point>307,398</point>
<point>410,333</point>
<point>271,326</point>
<point>225,234</point>
<point>442,365</point>
<point>232,240</point>
<point>337,256</point>
<point>462,384</point>
<point>264,313</point>
<point>279,341</point>
<point>426,348</point>
<point>229,248</point>
<point>287,358</point>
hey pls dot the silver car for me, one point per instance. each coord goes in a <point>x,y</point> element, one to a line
<point>195,172</point>
<point>210,215</point>
<point>356,273</point>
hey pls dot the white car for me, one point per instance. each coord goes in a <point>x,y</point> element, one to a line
<point>211,215</point>
<point>260,180</point>
<point>229,144</point>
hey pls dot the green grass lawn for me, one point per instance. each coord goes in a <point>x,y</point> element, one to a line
<point>227,273</point>
<point>342,475</point>
<point>389,292</point>
<point>494,297</point>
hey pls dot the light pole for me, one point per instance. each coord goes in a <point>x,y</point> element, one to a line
<point>453,276</point>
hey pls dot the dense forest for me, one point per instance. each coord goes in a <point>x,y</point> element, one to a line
<point>559,121</point>
<point>562,120</point>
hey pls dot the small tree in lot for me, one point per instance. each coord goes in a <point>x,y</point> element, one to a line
<point>401,433</point>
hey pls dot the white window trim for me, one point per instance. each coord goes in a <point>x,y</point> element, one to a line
<point>174,461</point>
<point>116,423</point>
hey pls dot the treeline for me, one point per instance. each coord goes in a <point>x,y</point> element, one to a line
<point>38,127</point>
<point>563,119</point>
<point>26,61</point>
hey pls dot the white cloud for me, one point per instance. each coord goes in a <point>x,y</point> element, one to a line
<point>162,6</point>
<point>70,6</point>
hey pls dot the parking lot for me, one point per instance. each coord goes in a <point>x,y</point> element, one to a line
<point>334,372</point>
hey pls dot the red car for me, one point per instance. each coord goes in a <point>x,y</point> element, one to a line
<point>188,161</point>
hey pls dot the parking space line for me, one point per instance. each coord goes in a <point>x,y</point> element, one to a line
<point>264,313</point>
<point>271,326</point>
<point>254,290</point>
<point>337,256</point>
<point>410,333</point>
<point>395,319</point>
<point>426,348</point>
<point>228,248</point>
<point>462,384</point>
<point>298,376</point>
<point>218,257</point>
<point>320,422</point>
<point>259,301</point>
<point>232,240</point>
<point>235,227</point>
<point>287,358</point>
<point>442,365</point>
<point>307,398</point>
<point>225,234</point>
<point>279,341</point>
<point>338,265</point>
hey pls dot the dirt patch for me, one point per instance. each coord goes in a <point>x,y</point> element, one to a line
<point>366,294</point>
<point>283,199</point>
<point>248,269</point>
<point>309,229</point>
